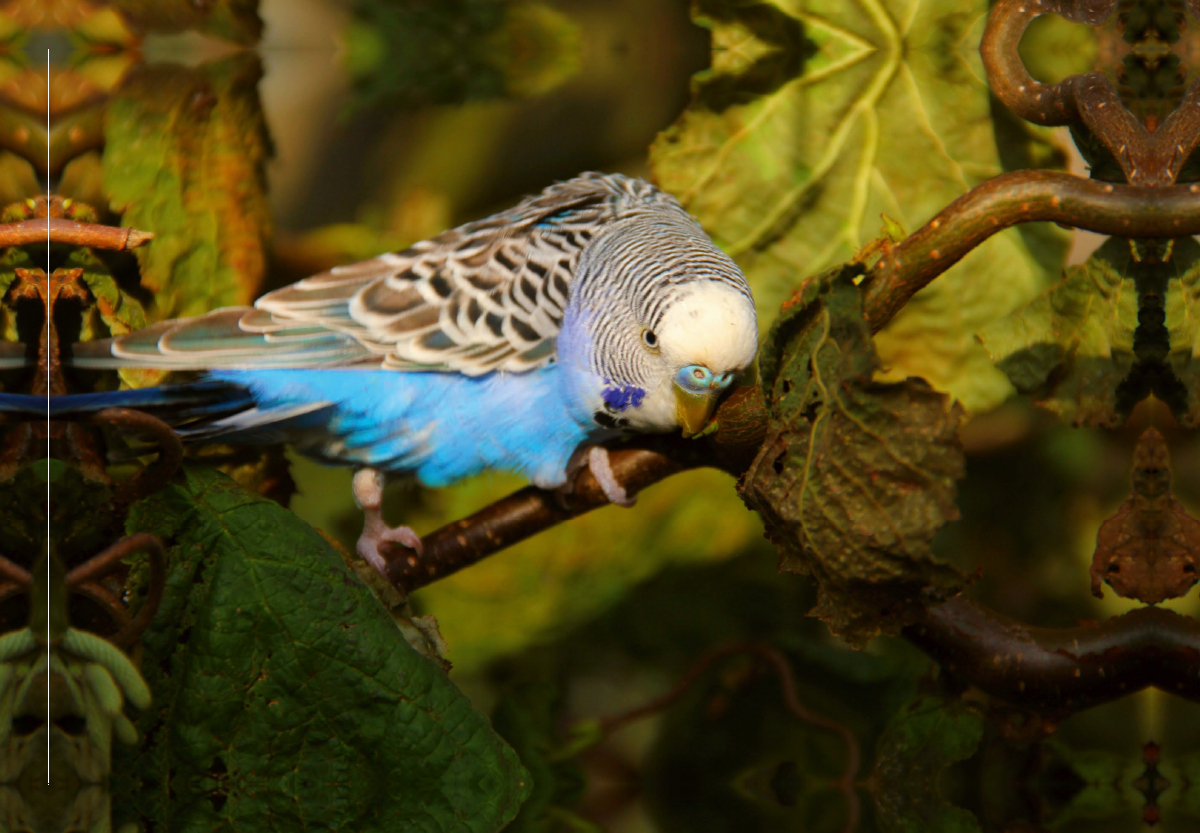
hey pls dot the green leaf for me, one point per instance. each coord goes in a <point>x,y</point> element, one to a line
<point>183,158</point>
<point>831,114</point>
<point>1183,324</point>
<point>10,261</point>
<point>410,54</point>
<point>287,697</point>
<point>118,310</point>
<point>1071,347</point>
<point>920,743</point>
<point>855,476</point>
<point>1116,329</point>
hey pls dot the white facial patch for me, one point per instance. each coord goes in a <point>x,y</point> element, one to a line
<point>709,324</point>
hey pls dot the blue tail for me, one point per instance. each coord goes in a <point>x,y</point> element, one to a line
<point>177,405</point>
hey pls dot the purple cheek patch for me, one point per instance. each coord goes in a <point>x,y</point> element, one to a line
<point>618,399</point>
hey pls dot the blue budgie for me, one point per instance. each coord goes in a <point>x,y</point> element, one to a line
<point>518,342</point>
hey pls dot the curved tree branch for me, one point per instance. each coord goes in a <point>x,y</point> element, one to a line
<point>1063,670</point>
<point>1047,104</point>
<point>1022,197</point>
<point>640,463</point>
<point>59,230</point>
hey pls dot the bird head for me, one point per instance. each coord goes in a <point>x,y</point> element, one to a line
<point>704,341</point>
<point>660,323</point>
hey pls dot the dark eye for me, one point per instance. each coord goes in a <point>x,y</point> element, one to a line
<point>650,338</point>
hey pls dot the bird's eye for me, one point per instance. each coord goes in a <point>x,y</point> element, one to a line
<point>650,338</point>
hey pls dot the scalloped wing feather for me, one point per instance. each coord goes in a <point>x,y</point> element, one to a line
<point>232,337</point>
<point>485,296</point>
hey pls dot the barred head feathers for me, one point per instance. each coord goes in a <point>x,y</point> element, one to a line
<point>654,296</point>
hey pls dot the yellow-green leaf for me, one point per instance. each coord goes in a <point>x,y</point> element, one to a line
<point>1070,347</point>
<point>183,158</point>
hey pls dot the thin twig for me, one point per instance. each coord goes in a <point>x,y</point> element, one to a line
<point>132,631</point>
<point>101,564</point>
<point>1047,104</point>
<point>85,580</point>
<point>58,230</point>
<point>15,573</point>
<point>1145,157</point>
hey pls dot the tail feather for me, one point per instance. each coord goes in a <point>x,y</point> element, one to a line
<point>209,410</point>
<point>177,405</point>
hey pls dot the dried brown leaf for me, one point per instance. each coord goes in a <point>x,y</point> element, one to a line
<point>856,476</point>
<point>1147,549</point>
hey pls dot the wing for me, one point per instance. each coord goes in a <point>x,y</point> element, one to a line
<point>485,296</point>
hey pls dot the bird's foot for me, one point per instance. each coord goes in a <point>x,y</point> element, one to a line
<point>368,494</point>
<point>595,459</point>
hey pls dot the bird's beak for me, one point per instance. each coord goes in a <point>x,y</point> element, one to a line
<point>693,410</point>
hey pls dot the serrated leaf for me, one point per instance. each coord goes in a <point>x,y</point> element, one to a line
<point>183,158</point>
<point>922,740</point>
<point>855,476</point>
<point>1071,347</point>
<point>290,699</point>
<point>831,114</point>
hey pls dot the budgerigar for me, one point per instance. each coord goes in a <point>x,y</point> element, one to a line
<point>517,342</point>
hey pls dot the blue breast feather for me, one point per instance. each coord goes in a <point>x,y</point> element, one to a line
<point>440,426</point>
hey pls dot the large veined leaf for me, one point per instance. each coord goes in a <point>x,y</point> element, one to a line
<point>286,698</point>
<point>818,116</point>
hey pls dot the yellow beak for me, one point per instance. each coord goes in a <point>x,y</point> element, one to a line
<point>693,410</point>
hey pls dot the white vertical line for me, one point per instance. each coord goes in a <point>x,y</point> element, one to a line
<point>49,323</point>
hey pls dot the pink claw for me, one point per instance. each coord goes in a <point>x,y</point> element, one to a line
<point>368,494</point>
